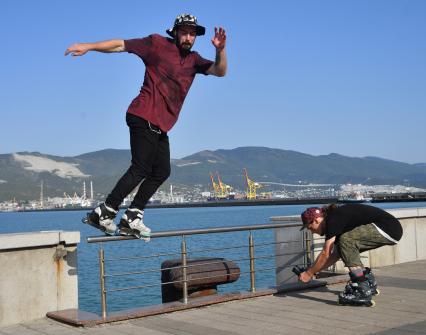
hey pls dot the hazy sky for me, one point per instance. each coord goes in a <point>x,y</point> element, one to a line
<point>313,76</point>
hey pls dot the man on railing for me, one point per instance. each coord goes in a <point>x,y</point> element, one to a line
<point>349,230</point>
<point>170,69</point>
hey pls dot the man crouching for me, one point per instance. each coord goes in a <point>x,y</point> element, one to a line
<point>350,230</point>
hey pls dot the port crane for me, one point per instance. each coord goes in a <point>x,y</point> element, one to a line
<point>221,190</point>
<point>225,190</point>
<point>216,187</point>
<point>251,187</point>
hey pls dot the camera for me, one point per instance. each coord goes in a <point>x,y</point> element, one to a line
<point>297,270</point>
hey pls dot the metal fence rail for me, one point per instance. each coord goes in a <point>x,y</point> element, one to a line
<point>183,256</point>
<point>187,232</point>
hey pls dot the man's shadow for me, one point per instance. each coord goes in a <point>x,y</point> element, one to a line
<point>300,294</point>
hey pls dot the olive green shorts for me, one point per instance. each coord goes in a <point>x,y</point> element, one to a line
<point>359,239</point>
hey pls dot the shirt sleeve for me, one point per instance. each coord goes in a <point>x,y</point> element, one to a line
<point>202,64</point>
<point>139,46</point>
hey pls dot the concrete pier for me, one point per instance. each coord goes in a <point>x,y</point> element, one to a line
<point>38,273</point>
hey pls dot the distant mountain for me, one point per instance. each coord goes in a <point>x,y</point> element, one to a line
<point>286,166</point>
<point>420,165</point>
<point>21,173</point>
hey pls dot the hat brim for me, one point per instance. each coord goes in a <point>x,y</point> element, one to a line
<point>199,30</point>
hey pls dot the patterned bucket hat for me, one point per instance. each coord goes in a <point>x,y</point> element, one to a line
<point>186,20</point>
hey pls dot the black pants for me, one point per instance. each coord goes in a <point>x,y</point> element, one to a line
<point>150,163</point>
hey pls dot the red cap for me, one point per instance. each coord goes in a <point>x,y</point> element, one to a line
<point>310,214</point>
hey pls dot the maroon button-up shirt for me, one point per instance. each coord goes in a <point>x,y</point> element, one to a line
<point>168,77</point>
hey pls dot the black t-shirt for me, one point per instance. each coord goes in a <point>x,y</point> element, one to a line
<point>347,217</point>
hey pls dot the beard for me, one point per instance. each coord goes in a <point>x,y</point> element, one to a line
<point>185,46</point>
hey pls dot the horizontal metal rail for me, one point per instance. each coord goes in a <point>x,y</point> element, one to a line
<point>171,233</point>
<point>265,269</point>
<point>134,258</point>
<point>122,274</point>
<point>275,243</point>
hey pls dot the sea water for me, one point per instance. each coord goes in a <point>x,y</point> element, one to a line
<point>232,246</point>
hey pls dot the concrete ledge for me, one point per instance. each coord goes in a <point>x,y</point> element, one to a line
<point>38,239</point>
<point>290,218</point>
<point>38,274</point>
<point>404,213</point>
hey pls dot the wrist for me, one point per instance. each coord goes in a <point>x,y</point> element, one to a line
<point>89,46</point>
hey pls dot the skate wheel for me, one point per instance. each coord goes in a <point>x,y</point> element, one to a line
<point>372,303</point>
<point>377,292</point>
<point>124,232</point>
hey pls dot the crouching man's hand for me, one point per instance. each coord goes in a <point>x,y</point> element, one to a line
<point>306,276</point>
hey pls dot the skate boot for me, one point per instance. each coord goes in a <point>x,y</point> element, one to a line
<point>371,280</point>
<point>131,224</point>
<point>102,218</point>
<point>358,294</point>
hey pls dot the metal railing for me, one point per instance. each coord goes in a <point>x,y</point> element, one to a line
<point>307,259</point>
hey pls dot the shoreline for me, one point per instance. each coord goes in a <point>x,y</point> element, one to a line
<point>242,202</point>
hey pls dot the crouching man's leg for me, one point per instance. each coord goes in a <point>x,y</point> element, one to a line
<point>362,283</point>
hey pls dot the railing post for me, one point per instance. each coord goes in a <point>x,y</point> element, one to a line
<point>308,248</point>
<point>102,281</point>
<point>252,270</point>
<point>184,272</point>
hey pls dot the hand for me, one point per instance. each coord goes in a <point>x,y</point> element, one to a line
<point>78,49</point>
<point>305,277</point>
<point>219,39</point>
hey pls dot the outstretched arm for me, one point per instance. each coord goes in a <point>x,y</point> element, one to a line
<point>327,257</point>
<point>80,49</point>
<point>219,67</point>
